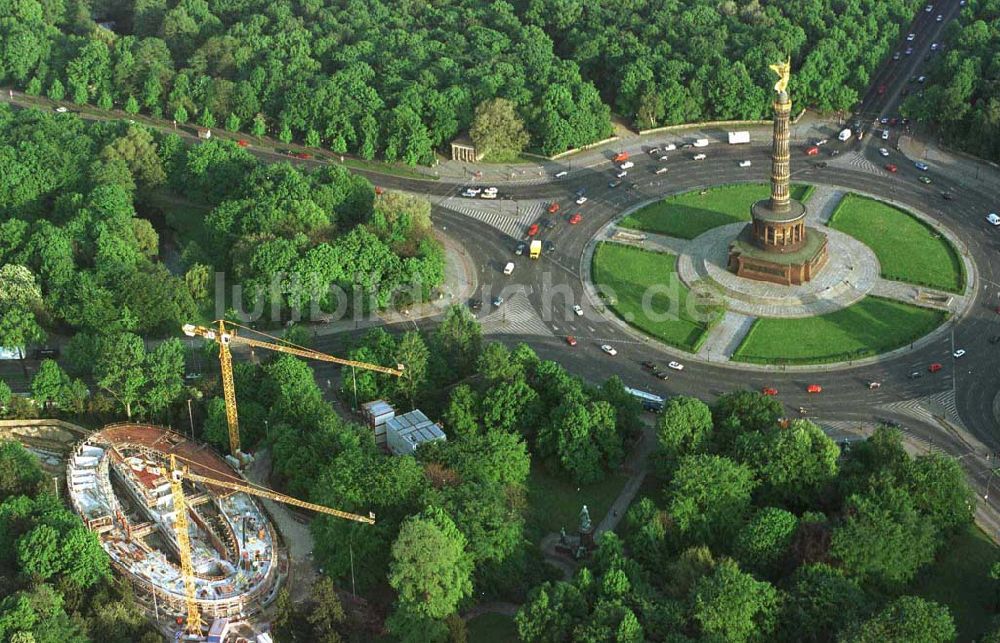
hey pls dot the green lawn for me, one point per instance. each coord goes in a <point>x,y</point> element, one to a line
<point>625,274</point>
<point>492,628</point>
<point>959,579</point>
<point>871,326</point>
<point>908,249</point>
<point>556,502</point>
<point>690,214</point>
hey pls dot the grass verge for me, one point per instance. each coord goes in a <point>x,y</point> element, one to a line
<point>626,276</point>
<point>492,628</point>
<point>959,579</point>
<point>690,214</point>
<point>554,502</point>
<point>871,326</point>
<point>907,248</point>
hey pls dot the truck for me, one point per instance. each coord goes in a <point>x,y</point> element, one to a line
<point>844,135</point>
<point>509,268</point>
<point>536,249</point>
<point>701,142</point>
<point>735,138</point>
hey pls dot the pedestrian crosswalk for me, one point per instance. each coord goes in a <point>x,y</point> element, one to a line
<point>516,316</point>
<point>858,160</point>
<point>929,408</point>
<point>509,218</point>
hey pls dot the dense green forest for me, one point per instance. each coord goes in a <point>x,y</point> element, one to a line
<point>963,94</point>
<point>399,80</point>
<point>764,530</point>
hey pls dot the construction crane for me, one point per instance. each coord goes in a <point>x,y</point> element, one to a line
<point>225,336</point>
<point>181,525</point>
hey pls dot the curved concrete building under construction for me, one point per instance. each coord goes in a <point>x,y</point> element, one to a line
<point>119,483</point>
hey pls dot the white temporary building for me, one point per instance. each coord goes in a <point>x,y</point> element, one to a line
<point>406,432</point>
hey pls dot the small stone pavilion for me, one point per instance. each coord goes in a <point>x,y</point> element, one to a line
<point>776,245</point>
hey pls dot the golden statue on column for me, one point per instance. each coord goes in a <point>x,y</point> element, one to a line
<point>784,71</point>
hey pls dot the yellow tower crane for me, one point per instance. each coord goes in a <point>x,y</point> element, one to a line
<point>181,525</point>
<point>225,336</point>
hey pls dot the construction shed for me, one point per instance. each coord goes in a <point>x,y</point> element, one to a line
<point>376,414</point>
<point>404,433</point>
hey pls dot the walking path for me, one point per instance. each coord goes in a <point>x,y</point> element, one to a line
<point>726,336</point>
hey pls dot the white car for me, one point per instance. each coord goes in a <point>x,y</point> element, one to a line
<point>822,141</point>
<point>578,310</point>
<point>609,350</point>
<point>61,109</point>
<point>662,170</point>
<point>490,189</point>
<point>473,191</point>
<point>670,147</point>
<point>993,218</point>
<point>958,353</point>
<point>883,151</point>
<point>626,165</point>
<point>622,174</point>
<point>699,157</point>
<point>654,151</point>
<point>581,200</point>
<point>934,46</point>
<point>885,135</point>
<point>939,18</point>
<point>560,174</point>
<point>677,366</point>
<point>745,164</point>
<point>664,158</point>
<point>911,37</point>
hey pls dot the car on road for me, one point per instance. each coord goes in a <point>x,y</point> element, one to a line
<point>61,109</point>
<point>614,184</point>
<point>910,37</point>
<point>814,388</point>
<point>650,365</point>
<point>934,46</point>
<point>498,301</point>
<point>577,309</point>
<point>581,200</point>
<point>560,174</point>
<point>571,340</point>
<point>553,208</point>
<point>575,219</point>
<point>509,268</point>
<point>520,249</point>
<point>812,151</point>
<point>929,8</point>
<point>939,18</point>
<point>677,366</point>
<point>909,51</point>
<point>699,157</point>
<point>532,229</point>
<point>662,170</point>
<point>745,164</point>
<point>767,390</point>
<point>920,165</point>
<point>820,165</point>
<point>669,147</point>
<point>993,218</point>
<point>653,151</point>
<point>921,79</point>
<point>475,304</point>
<point>607,348</point>
<point>959,353</point>
<point>305,156</point>
<point>243,142</point>
<point>947,196</point>
<point>663,375</point>
<point>896,56</point>
<point>891,167</point>
<point>470,191</point>
<point>885,135</point>
<point>915,375</point>
<point>580,191</point>
<point>934,367</point>
<point>621,175</point>
<point>926,180</point>
<point>883,151</point>
<point>626,165</point>
<point>488,195</point>
<point>821,141</point>
<point>549,246</point>
<point>834,152</point>
<point>664,158</point>
<point>548,224</point>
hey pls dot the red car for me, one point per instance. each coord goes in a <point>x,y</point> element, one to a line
<point>934,368</point>
<point>243,143</point>
<point>814,388</point>
<point>575,219</point>
<point>571,340</point>
<point>881,89</point>
<point>303,155</point>
<point>812,151</point>
<point>891,167</point>
<point>533,230</point>
<point>553,207</point>
<point>767,390</point>
<point>620,156</point>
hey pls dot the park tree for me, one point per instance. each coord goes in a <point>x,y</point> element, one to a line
<point>497,130</point>
<point>431,569</point>
<point>684,428</point>
<point>131,105</point>
<point>20,474</point>
<point>907,618</point>
<point>796,465</point>
<point>741,412</point>
<point>181,114</point>
<point>940,491</point>
<point>461,416</point>
<point>327,615</point>
<point>821,602</point>
<point>762,543</point>
<point>734,606</point>
<point>139,151</point>
<point>51,384</point>
<point>119,369</point>
<point>709,496</point>
<point>551,613</point>
<point>413,354</point>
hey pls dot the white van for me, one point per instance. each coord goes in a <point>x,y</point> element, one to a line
<point>844,135</point>
<point>509,268</point>
<point>745,163</point>
<point>699,157</point>
<point>701,142</point>
<point>993,219</point>
<point>626,165</point>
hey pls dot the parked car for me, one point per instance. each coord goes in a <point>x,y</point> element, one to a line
<point>669,147</point>
<point>549,246</point>
<point>626,165</point>
<point>243,143</point>
<point>699,157</point>
<point>959,353</point>
<point>745,163</point>
<point>885,135</point>
<point>553,208</point>
<point>883,151</point>
<point>993,218</point>
<point>609,349</point>
<point>578,310</point>
<point>947,196</point>
<point>581,200</point>
<point>662,170</point>
<point>920,165</point>
<point>926,180</point>
<point>621,174</point>
<point>650,365</point>
<point>498,301</point>
<point>911,37</point>
<point>677,366</point>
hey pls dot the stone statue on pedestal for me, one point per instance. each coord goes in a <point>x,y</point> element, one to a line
<point>584,520</point>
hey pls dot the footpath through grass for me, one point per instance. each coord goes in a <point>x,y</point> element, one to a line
<point>690,214</point>
<point>959,579</point>
<point>555,502</point>
<point>871,326</point>
<point>907,248</point>
<point>626,275</point>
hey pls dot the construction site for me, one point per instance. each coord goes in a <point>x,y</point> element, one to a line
<point>119,481</point>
